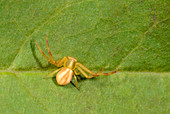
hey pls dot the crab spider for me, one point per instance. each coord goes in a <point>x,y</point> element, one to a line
<point>67,68</point>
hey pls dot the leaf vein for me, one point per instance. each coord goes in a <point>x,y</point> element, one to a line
<point>29,92</point>
<point>155,24</point>
<point>130,52</point>
<point>140,42</point>
<point>41,25</point>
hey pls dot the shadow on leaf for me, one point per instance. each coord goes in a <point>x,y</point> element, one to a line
<point>79,78</point>
<point>32,44</point>
<point>55,82</point>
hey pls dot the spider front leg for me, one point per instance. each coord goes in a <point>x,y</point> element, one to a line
<point>48,49</point>
<point>53,73</point>
<point>58,63</point>
<point>49,60</point>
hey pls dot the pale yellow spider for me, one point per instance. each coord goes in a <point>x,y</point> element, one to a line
<point>68,66</point>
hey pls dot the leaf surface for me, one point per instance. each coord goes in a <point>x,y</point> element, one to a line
<point>132,35</point>
<point>28,92</point>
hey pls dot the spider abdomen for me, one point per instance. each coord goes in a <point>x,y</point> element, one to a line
<point>64,76</point>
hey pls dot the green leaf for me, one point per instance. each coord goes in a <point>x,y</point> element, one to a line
<point>132,35</point>
<point>28,92</point>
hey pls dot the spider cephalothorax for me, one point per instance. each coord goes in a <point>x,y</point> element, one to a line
<point>68,67</point>
<point>70,63</point>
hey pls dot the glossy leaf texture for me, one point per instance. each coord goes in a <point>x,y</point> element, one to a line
<point>132,35</point>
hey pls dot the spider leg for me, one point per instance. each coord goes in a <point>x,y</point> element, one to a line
<point>102,70</point>
<point>52,62</point>
<point>85,73</point>
<point>95,74</point>
<point>60,62</point>
<point>76,82</point>
<point>77,73</point>
<point>49,52</point>
<point>52,73</point>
